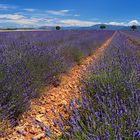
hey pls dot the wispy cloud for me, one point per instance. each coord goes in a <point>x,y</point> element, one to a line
<point>7,7</point>
<point>77,15</point>
<point>32,21</point>
<point>19,19</point>
<point>30,10</point>
<point>11,16</point>
<point>74,22</point>
<point>130,23</point>
<point>134,22</point>
<point>117,23</point>
<point>58,12</point>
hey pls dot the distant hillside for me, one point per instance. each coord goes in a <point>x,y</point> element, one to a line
<point>62,28</point>
<point>94,27</point>
<point>108,27</point>
<point>48,27</point>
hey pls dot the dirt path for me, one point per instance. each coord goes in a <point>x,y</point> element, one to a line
<point>56,98</point>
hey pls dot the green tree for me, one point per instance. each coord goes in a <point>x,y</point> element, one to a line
<point>58,27</point>
<point>102,27</point>
<point>133,27</point>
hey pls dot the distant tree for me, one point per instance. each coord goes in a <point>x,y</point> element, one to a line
<point>102,27</point>
<point>58,27</point>
<point>133,27</point>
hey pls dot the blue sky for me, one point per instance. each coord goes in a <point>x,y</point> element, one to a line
<point>32,13</point>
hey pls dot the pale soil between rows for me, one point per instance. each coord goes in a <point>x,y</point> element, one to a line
<point>56,98</point>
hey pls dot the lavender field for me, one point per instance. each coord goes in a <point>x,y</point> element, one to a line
<point>109,105</point>
<point>31,60</point>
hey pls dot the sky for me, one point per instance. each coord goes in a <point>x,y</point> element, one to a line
<point>36,13</point>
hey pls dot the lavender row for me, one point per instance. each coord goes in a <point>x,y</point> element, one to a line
<point>133,36</point>
<point>30,60</point>
<point>110,105</point>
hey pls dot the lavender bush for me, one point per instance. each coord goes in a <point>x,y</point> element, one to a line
<point>133,36</point>
<point>30,60</point>
<point>110,105</point>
